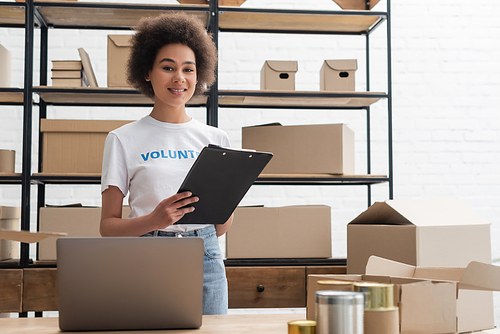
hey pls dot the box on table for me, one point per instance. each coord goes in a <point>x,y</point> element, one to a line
<point>303,149</point>
<point>118,55</point>
<point>338,75</point>
<point>74,146</point>
<point>5,67</point>
<point>278,75</point>
<point>431,299</point>
<point>441,232</point>
<point>74,221</point>
<point>9,221</point>
<point>279,232</point>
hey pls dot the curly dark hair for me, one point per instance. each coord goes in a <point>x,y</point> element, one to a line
<point>152,33</point>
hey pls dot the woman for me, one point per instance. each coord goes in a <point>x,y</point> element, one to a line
<point>172,59</point>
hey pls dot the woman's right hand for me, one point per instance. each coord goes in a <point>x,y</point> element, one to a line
<point>172,209</point>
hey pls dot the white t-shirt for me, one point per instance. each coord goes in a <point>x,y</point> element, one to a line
<point>149,159</point>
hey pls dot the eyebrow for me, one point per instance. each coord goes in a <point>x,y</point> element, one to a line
<point>173,61</point>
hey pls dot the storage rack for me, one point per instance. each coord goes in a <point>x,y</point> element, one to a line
<point>32,15</point>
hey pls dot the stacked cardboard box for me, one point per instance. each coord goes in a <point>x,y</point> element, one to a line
<point>73,221</point>
<point>262,232</point>
<point>303,149</point>
<point>60,137</point>
<point>67,73</point>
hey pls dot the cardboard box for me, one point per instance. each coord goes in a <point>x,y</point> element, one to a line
<point>278,75</point>
<point>9,221</point>
<point>338,75</point>
<point>432,299</point>
<point>279,232</point>
<point>74,221</point>
<point>5,67</point>
<point>118,55</point>
<point>7,161</point>
<point>303,149</point>
<point>74,146</point>
<point>427,232</point>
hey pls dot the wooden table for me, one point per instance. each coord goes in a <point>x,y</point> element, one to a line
<point>212,324</point>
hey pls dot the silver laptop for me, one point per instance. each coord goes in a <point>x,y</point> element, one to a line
<point>124,283</point>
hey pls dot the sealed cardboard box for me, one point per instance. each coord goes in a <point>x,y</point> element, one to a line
<point>441,232</point>
<point>431,299</point>
<point>7,161</point>
<point>5,67</point>
<point>303,149</point>
<point>278,232</point>
<point>278,75</point>
<point>74,221</point>
<point>9,221</point>
<point>338,75</point>
<point>74,146</point>
<point>118,55</point>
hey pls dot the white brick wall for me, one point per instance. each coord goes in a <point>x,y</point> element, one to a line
<point>446,70</point>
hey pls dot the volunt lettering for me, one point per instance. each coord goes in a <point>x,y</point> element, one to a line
<point>170,154</point>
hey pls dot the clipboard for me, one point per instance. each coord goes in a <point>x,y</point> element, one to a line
<point>221,177</point>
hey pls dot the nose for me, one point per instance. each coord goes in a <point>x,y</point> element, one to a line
<point>178,77</point>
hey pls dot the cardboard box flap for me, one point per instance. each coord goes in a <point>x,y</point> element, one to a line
<point>283,66</point>
<point>480,276</point>
<point>62,125</point>
<point>28,237</point>
<point>342,64</point>
<point>120,40</point>
<point>476,276</point>
<point>380,213</point>
<point>10,212</point>
<point>420,212</point>
<point>378,266</point>
<point>267,124</point>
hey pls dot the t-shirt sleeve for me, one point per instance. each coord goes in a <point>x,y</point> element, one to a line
<point>114,165</point>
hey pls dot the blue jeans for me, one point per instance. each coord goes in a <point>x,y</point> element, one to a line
<point>214,272</point>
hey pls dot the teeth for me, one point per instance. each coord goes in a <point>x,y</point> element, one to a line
<point>177,90</point>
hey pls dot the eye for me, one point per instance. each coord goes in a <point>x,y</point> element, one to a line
<point>168,68</point>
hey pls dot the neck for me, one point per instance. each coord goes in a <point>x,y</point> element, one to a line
<point>170,115</point>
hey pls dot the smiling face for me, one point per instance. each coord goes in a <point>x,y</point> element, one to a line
<point>173,76</point>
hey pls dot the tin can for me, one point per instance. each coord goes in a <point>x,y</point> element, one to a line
<point>381,316</point>
<point>302,327</point>
<point>339,312</point>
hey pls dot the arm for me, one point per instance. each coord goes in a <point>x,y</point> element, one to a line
<point>166,213</point>
<point>223,228</point>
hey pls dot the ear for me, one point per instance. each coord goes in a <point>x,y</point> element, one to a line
<point>147,77</point>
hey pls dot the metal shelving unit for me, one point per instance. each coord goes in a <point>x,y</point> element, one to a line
<point>42,16</point>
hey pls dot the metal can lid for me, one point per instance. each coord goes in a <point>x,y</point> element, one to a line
<point>339,297</point>
<point>302,327</point>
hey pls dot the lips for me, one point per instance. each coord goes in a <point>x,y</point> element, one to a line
<point>178,90</point>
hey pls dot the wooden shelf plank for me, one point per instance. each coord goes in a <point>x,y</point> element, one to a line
<point>261,21</point>
<point>243,99</point>
<point>12,14</point>
<point>11,97</point>
<point>125,16</point>
<point>264,179</point>
<point>99,96</point>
